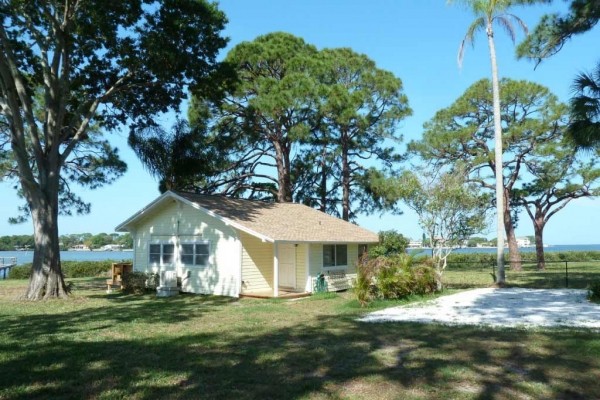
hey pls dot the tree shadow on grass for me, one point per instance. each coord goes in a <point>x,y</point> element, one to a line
<point>330,356</point>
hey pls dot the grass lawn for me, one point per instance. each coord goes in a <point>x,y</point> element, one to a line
<point>580,274</point>
<point>116,346</point>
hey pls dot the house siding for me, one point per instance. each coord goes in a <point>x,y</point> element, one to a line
<point>257,264</point>
<point>301,266</point>
<point>334,281</point>
<point>178,223</point>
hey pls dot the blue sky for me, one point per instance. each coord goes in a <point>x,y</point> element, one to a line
<point>415,39</point>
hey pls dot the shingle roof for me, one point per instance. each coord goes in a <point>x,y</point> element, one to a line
<point>282,221</point>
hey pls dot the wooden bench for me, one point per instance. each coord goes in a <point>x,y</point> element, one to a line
<point>337,280</point>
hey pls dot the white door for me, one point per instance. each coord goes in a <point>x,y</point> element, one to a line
<point>287,265</point>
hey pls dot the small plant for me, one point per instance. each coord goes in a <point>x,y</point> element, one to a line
<point>392,277</point>
<point>139,282</point>
<point>594,292</point>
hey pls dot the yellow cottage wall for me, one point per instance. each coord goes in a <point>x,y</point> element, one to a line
<point>257,264</point>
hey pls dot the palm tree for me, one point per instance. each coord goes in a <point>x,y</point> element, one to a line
<point>177,159</point>
<point>585,110</point>
<point>487,13</point>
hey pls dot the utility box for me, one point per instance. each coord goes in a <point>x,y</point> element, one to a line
<point>168,284</point>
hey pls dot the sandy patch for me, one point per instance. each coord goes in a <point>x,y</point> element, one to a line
<point>500,307</point>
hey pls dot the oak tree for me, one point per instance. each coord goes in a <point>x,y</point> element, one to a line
<point>71,70</point>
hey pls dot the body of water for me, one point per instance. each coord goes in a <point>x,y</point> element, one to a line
<point>556,248</point>
<point>24,257</point>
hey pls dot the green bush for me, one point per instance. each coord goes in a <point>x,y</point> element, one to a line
<point>71,269</point>
<point>20,272</point>
<point>139,282</point>
<point>392,277</point>
<point>390,243</point>
<point>594,291</point>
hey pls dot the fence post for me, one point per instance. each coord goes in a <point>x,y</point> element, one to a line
<point>567,274</point>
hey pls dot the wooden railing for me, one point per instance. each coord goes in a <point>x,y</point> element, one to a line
<point>6,263</point>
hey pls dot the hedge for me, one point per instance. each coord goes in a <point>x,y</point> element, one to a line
<point>488,259</point>
<point>71,269</point>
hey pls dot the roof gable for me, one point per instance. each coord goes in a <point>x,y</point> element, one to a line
<point>271,222</point>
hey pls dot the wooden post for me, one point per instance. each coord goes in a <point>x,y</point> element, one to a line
<point>275,270</point>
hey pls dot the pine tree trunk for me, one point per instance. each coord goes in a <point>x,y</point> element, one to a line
<point>323,184</point>
<point>282,158</point>
<point>513,247</point>
<point>345,180</point>
<point>46,279</point>
<point>538,226</point>
<point>500,276</point>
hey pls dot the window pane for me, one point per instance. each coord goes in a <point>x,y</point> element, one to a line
<point>202,248</point>
<point>187,249</point>
<point>168,248</point>
<point>328,255</point>
<point>187,259</point>
<point>341,254</point>
<point>168,253</point>
<point>154,253</point>
<point>202,260</point>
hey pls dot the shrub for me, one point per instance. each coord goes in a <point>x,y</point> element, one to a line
<point>390,243</point>
<point>594,291</point>
<point>20,272</point>
<point>139,282</point>
<point>71,269</point>
<point>392,277</point>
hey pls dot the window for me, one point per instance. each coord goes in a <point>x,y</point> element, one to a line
<point>195,254</point>
<point>335,255</point>
<point>190,254</point>
<point>162,253</point>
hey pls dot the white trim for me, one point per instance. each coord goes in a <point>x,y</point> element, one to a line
<point>307,279</point>
<point>161,243</point>
<point>195,242</point>
<point>241,260</point>
<point>275,270</point>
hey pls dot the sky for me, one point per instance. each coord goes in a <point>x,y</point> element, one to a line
<point>418,41</point>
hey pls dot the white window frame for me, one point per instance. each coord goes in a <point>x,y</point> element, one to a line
<point>194,243</point>
<point>335,266</point>
<point>162,243</point>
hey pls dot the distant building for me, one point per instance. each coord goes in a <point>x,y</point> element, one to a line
<point>523,242</point>
<point>415,244</point>
<point>79,247</point>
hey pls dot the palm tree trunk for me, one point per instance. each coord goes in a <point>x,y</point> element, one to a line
<point>500,277</point>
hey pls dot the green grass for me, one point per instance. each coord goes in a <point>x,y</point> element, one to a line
<point>117,346</point>
<point>580,274</point>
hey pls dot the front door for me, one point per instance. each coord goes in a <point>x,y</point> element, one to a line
<point>287,265</point>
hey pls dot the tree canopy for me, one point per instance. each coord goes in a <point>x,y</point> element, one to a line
<point>541,166</point>
<point>69,71</point>
<point>305,125</point>
<point>554,30</point>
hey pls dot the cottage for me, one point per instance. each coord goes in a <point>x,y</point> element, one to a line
<point>232,247</point>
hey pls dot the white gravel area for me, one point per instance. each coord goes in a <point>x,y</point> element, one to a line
<point>500,307</point>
